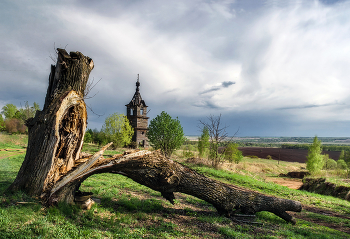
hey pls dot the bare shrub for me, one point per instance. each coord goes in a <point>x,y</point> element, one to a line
<point>22,128</point>
<point>15,126</point>
<point>11,126</point>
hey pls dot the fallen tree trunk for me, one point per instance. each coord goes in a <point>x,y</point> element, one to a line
<point>53,168</point>
<point>155,171</point>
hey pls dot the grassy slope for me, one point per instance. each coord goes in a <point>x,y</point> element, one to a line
<point>130,210</point>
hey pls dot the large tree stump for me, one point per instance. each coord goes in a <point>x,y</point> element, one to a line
<point>56,133</point>
<point>54,167</point>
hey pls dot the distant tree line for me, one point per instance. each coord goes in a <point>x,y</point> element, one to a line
<point>12,119</point>
<point>324,147</point>
<point>295,146</point>
<point>263,145</point>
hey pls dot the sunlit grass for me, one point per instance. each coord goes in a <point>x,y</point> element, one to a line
<point>130,210</point>
<point>13,141</point>
<point>258,184</point>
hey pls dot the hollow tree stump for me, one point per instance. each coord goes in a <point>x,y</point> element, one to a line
<point>54,167</point>
<point>56,133</point>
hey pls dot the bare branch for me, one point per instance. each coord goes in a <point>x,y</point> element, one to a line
<point>94,111</point>
<point>89,86</point>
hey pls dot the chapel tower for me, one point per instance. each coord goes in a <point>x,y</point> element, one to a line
<point>136,112</point>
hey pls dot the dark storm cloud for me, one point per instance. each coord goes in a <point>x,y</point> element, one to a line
<point>305,106</point>
<point>330,2</point>
<point>215,88</point>
<point>258,123</point>
<point>224,84</point>
<point>208,104</point>
<point>272,49</point>
<point>269,123</point>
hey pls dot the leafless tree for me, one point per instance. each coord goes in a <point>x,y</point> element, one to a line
<point>217,134</point>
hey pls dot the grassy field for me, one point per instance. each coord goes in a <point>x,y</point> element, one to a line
<point>129,210</point>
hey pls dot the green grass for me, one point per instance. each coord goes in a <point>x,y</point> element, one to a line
<point>8,170</point>
<point>336,220</point>
<point>10,146</point>
<point>130,210</point>
<point>338,180</point>
<point>14,141</point>
<point>259,184</point>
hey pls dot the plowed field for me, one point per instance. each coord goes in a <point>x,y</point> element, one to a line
<point>289,155</point>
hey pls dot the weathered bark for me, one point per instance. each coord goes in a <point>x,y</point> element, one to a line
<point>155,171</point>
<point>56,133</point>
<point>54,167</point>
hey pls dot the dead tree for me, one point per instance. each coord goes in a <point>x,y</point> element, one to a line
<point>54,166</point>
<point>217,134</point>
<point>56,133</point>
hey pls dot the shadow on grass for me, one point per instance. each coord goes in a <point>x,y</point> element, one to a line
<point>133,204</point>
<point>125,216</point>
<point>4,185</point>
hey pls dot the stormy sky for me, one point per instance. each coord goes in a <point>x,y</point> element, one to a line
<point>270,68</point>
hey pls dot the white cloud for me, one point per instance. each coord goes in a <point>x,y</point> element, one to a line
<point>299,57</point>
<point>165,61</point>
<point>285,57</point>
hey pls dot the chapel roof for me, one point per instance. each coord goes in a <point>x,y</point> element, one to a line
<point>137,99</point>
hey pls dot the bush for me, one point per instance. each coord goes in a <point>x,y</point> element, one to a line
<point>165,133</point>
<point>330,164</point>
<point>232,154</point>
<point>341,164</point>
<point>187,154</point>
<point>2,123</point>
<point>238,157</point>
<point>190,147</point>
<point>252,156</point>
<point>118,130</point>
<point>87,137</point>
<point>15,126</point>
<point>187,151</point>
<point>203,143</point>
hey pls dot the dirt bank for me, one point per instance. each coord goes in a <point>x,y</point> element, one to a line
<point>319,185</point>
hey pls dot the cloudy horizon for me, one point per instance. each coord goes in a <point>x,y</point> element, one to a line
<point>270,68</point>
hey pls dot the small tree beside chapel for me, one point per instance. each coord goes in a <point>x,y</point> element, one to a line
<point>165,133</point>
<point>118,130</point>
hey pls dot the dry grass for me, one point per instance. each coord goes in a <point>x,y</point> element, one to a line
<point>20,140</point>
<point>247,166</point>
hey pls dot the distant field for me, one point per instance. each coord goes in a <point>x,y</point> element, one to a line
<point>288,155</point>
<point>283,140</point>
